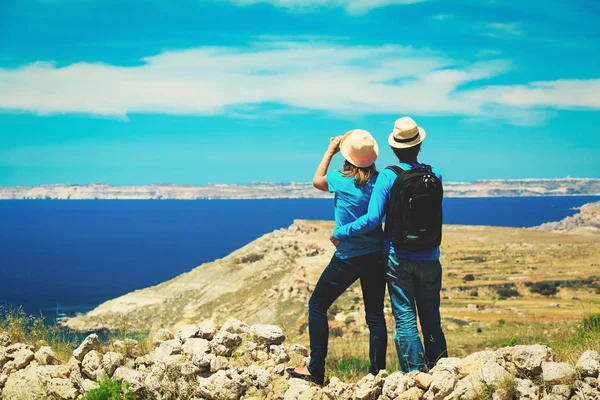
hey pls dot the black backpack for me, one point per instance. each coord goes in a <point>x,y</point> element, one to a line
<point>414,212</point>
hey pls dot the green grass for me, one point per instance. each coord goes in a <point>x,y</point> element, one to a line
<point>111,390</point>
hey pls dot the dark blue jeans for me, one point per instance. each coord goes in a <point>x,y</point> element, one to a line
<point>414,286</point>
<point>335,279</point>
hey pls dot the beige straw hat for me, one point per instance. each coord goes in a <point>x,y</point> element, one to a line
<point>406,134</point>
<point>359,148</point>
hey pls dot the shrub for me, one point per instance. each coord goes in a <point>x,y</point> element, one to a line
<point>468,278</point>
<point>545,288</point>
<point>110,390</point>
<point>333,311</point>
<point>336,332</point>
<point>251,258</point>
<point>507,292</point>
<point>474,293</point>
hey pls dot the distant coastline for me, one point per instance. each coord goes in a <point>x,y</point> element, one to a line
<point>270,190</point>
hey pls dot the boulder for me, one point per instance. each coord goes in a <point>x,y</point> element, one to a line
<point>448,364</point>
<point>88,385</point>
<point>45,356</point>
<point>224,342</point>
<point>313,393</point>
<point>223,385</point>
<point>589,363</point>
<point>338,390</point>
<point>397,383</point>
<point>111,361</point>
<point>369,387</point>
<point>257,377</point>
<point>473,362</point>
<point>299,349</point>
<point>186,332</point>
<point>61,389</point>
<point>207,329</point>
<point>268,334</point>
<point>31,382</point>
<point>88,344</point>
<point>562,391</point>
<point>413,393</point>
<point>493,374</point>
<point>583,391</point>
<point>555,373</point>
<point>162,335</point>
<point>4,339</point>
<point>134,378</point>
<point>529,359</point>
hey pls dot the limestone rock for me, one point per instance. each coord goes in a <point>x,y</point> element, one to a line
<point>555,373</point>
<point>186,332</point>
<point>4,339</point>
<point>207,329</point>
<point>468,388</point>
<point>45,356</point>
<point>313,393</point>
<point>338,390</point>
<point>91,364</point>
<point>268,334</point>
<point>162,335</point>
<point>369,387</point>
<point>530,358</point>
<point>88,385</point>
<point>88,344</point>
<point>397,383</point>
<point>493,374</point>
<point>589,363</point>
<point>236,326</point>
<point>473,362</point>
<point>166,349</point>
<point>526,390</point>
<point>299,349</point>
<point>279,354</point>
<point>562,391</point>
<point>24,384</point>
<point>223,385</point>
<point>224,342</point>
<point>111,361</point>
<point>134,378</point>
<point>18,355</point>
<point>448,364</point>
<point>61,389</point>
<point>422,379</point>
<point>296,388</point>
<point>441,386</point>
<point>413,393</point>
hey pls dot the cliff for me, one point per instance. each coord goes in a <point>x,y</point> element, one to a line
<point>586,221</point>
<point>482,188</point>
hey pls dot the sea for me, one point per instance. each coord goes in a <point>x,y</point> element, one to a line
<point>63,257</point>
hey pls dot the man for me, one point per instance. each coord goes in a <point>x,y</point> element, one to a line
<point>411,195</point>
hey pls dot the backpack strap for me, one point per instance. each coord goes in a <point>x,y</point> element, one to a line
<point>396,168</point>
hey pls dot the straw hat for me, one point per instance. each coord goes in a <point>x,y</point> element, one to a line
<point>359,148</point>
<point>406,134</point>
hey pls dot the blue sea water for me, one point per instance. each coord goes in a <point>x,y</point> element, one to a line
<point>77,254</point>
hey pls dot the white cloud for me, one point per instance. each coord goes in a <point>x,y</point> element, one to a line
<point>506,29</point>
<point>324,77</point>
<point>351,6</point>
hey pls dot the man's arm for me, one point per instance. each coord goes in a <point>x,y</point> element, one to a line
<point>375,213</point>
<point>320,178</point>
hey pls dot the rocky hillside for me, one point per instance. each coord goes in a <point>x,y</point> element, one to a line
<point>237,361</point>
<point>587,221</point>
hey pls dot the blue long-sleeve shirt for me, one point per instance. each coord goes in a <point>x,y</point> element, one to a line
<point>376,213</point>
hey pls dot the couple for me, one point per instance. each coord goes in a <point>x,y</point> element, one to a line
<point>405,255</point>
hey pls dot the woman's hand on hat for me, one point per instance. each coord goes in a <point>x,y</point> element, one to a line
<point>334,145</point>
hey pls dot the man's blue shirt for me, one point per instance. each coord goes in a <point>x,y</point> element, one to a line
<point>351,202</point>
<point>376,212</point>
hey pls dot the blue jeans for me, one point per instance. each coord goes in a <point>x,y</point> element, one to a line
<point>335,279</point>
<point>414,286</point>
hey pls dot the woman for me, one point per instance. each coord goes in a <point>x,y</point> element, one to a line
<point>359,257</point>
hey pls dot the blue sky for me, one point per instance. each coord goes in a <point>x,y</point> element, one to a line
<point>235,91</point>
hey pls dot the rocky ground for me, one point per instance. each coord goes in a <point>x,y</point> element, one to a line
<point>586,221</point>
<point>237,361</point>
